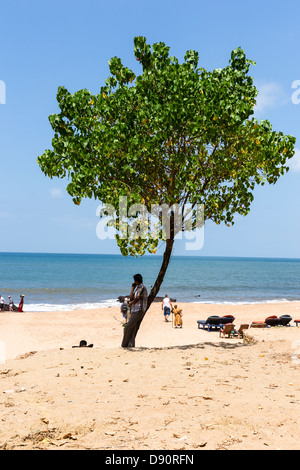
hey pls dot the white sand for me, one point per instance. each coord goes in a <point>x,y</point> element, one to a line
<point>178,389</point>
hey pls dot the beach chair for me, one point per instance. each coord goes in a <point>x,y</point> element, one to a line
<point>228,330</point>
<point>285,320</point>
<point>239,333</point>
<point>272,321</point>
<point>212,322</point>
<point>297,321</point>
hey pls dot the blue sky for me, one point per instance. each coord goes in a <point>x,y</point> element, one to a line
<point>47,44</point>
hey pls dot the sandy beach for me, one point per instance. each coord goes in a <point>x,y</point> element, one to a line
<point>178,389</point>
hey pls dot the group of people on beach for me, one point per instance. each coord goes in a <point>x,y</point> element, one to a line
<point>134,308</point>
<point>10,306</point>
<point>167,308</point>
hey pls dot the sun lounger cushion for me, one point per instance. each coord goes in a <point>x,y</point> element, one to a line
<point>227,319</point>
<point>258,324</point>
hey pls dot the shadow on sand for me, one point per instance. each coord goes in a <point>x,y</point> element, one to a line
<point>219,345</point>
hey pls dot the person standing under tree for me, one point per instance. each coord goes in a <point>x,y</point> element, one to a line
<point>138,307</point>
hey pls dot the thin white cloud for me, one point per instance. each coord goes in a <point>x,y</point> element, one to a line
<point>294,163</point>
<point>56,193</point>
<point>270,95</point>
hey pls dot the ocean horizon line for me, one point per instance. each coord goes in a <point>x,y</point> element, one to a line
<point>230,257</point>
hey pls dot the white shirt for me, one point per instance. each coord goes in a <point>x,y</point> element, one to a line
<point>166,302</point>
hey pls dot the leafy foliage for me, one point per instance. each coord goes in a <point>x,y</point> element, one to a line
<point>175,134</point>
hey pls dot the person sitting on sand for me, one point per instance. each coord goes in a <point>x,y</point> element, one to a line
<point>178,316</point>
<point>166,306</point>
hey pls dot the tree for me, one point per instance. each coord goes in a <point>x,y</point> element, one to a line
<point>177,134</point>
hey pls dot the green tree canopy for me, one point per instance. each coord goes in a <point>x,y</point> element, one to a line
<point>175,134</point>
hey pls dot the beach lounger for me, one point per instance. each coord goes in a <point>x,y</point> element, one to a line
<point>228,330</point>
<point>285,320</point>
<point>212,322</point>
<point>272,321</point>
<point>215,322</point>
<point>239,333</point>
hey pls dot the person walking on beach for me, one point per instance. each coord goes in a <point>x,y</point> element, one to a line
<point>21,304</point>
<point>166,306</point>
<point>178,316</point>
<point>138,306</point>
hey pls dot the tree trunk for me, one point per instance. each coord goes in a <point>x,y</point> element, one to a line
<point>134,327</point>
<point>165,263</point>
<point>162,272</point>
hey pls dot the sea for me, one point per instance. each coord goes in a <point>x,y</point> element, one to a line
<point>65,282</point>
